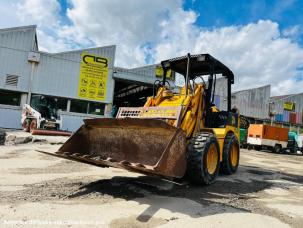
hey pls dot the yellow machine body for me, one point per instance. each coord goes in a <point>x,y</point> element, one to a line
<point>193,108</point>
<point>154,139</point>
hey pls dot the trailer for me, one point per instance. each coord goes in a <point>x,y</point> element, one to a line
<point>265,136</point>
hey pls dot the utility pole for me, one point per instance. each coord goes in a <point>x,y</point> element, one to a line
<point>33,58</point>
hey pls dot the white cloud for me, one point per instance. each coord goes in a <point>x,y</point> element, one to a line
<point>53,34</point>
<point>257,53</point>
<point>42,12</point>
<point>7,11</point>
<point>149,31</point>
<point>132,24</point>
<point>293,32</point>
<point>47,43</point>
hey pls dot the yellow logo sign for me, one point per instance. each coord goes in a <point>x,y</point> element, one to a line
<point>93,77</point>
<point>289,106</point>
<point>159,73</point>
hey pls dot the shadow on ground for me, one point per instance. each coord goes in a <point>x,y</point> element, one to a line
<point>228,194</point>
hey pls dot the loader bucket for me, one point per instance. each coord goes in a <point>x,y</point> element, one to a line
<point>146,146</point>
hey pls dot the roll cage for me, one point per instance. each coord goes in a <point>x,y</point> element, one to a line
<point>194,66</point>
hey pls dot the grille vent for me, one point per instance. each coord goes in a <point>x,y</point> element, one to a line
<point>11,80</point>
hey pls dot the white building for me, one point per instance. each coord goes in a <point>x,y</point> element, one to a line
<point>27,73</point>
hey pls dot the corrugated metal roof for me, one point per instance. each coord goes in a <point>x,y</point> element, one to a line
<point>280,97</point>
<point>145,74</point>
<point>20,38</point>
<point>145,70</point>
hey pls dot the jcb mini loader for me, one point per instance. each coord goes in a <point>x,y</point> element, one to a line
<point>173,135</point>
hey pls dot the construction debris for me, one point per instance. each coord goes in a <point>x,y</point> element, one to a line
<point>16,137</point>
<point>50,132</point>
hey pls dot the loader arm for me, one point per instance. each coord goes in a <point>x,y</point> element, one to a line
<point>192,107</point>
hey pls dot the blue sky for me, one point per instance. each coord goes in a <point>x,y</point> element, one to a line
<point>64,6</point>
<point>287,13</point>
<point>220,13</point>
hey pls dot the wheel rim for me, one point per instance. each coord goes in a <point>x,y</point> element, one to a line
<point>212,159</point>
<point>234,155</point>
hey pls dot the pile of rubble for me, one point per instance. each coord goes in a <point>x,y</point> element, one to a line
<point>15,137</point>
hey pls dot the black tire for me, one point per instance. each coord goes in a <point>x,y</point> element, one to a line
<point>278,149</point>
<point>197,150</point>
<point>227,167</point>
<point>257,147</point>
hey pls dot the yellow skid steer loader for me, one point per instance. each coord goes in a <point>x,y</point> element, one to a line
<point>172,135</point>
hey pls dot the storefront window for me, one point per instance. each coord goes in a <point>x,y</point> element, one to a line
<point>55,102</point>
<point>10,98</point>
<point>87,107</point>
<point>62,104</point>
<point>96,108</point>
<point>79,106</point>
<point>48,106</point>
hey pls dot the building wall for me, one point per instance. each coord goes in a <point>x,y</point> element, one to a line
<point>14,62</point>
<point>55,75</point>
<point>10,116</point>
<point>253,102</point>
<point>72,121</point>
<point>294,116</point>
<point>19,38</point>
<point>146,75</point>
<point>15,43</point>
<point>58,74</point>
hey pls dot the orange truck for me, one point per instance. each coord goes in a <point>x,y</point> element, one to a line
<point>260,136</point>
